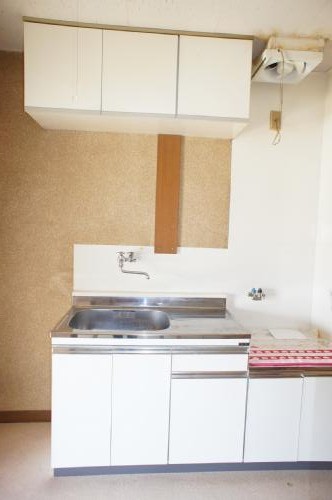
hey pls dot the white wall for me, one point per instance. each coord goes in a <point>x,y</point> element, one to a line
<point>322,292</point>
<point>274,198</point>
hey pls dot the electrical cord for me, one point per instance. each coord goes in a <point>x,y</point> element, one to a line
<point>277,137</point>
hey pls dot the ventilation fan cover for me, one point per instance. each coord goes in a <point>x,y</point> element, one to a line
<point>289,65</point>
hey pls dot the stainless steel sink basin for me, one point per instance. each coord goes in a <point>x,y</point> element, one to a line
<point>119,319</point>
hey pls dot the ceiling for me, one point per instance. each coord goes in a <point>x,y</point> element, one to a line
<point>260,18</point>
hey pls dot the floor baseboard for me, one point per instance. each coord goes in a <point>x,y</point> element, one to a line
<point>181,468</point>
<point>14,417</point>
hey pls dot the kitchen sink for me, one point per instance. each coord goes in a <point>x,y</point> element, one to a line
<point>120,319</point>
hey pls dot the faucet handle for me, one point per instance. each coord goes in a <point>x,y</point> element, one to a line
<point>126,256</point>
<point>131,257</point>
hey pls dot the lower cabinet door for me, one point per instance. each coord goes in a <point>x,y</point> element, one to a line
<point>81,410</point>
<point>316,427</point>
<point>207,420</point>
<point>273,419</point>
<point>140,409</point>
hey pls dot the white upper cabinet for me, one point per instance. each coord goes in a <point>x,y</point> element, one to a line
<point>136,82</point>
<point>62,66</point>
<point>139,72</point>
<point>214,77</point>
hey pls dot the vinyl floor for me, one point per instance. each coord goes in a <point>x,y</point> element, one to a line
<point>25,474</point>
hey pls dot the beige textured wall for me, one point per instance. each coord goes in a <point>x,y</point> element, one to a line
<point>205,191</point>
<point>61,188</point>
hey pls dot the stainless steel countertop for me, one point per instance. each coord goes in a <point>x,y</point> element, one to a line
<point>196,318</point>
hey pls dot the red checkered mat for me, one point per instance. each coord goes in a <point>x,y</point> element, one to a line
<point>289,357</point>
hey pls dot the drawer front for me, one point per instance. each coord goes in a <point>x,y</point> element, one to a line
<point>209,362</point>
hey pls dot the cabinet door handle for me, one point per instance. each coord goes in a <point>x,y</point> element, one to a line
<point>263,373</point>
<point>209,375</point>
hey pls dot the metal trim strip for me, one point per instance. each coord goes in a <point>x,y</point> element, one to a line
<point>270,373</point>
<point>218,303</point>
<point>209,375</point>
<point>320,372</point>
<point>148,350</point>
<point>160,31</point>
<point>290,373</point>
<point>94,334</point>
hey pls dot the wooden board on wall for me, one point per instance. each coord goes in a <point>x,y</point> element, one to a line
<point>167,194</point>
<point>14,417</point>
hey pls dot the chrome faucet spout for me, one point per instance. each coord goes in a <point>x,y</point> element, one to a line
<point>129,257</point>
<point>143,273</point>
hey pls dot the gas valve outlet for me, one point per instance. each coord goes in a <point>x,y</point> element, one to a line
<point>256,294</point>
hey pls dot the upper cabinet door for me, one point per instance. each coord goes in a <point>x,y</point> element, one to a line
<point>214,77</point>
<point>139,72</point>
<point>62,66</point>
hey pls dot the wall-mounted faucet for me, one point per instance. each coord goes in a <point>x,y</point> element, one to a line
<point>129,257</point>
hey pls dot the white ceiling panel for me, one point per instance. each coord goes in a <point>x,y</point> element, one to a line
<point>260,18</point>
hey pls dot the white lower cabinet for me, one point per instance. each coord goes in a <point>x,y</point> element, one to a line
<point>315,442</point>
<point>207,420</point>
<point>81,410</point>
<point>273,419</point>
<point>140,409</point>
<point>125,409</point>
